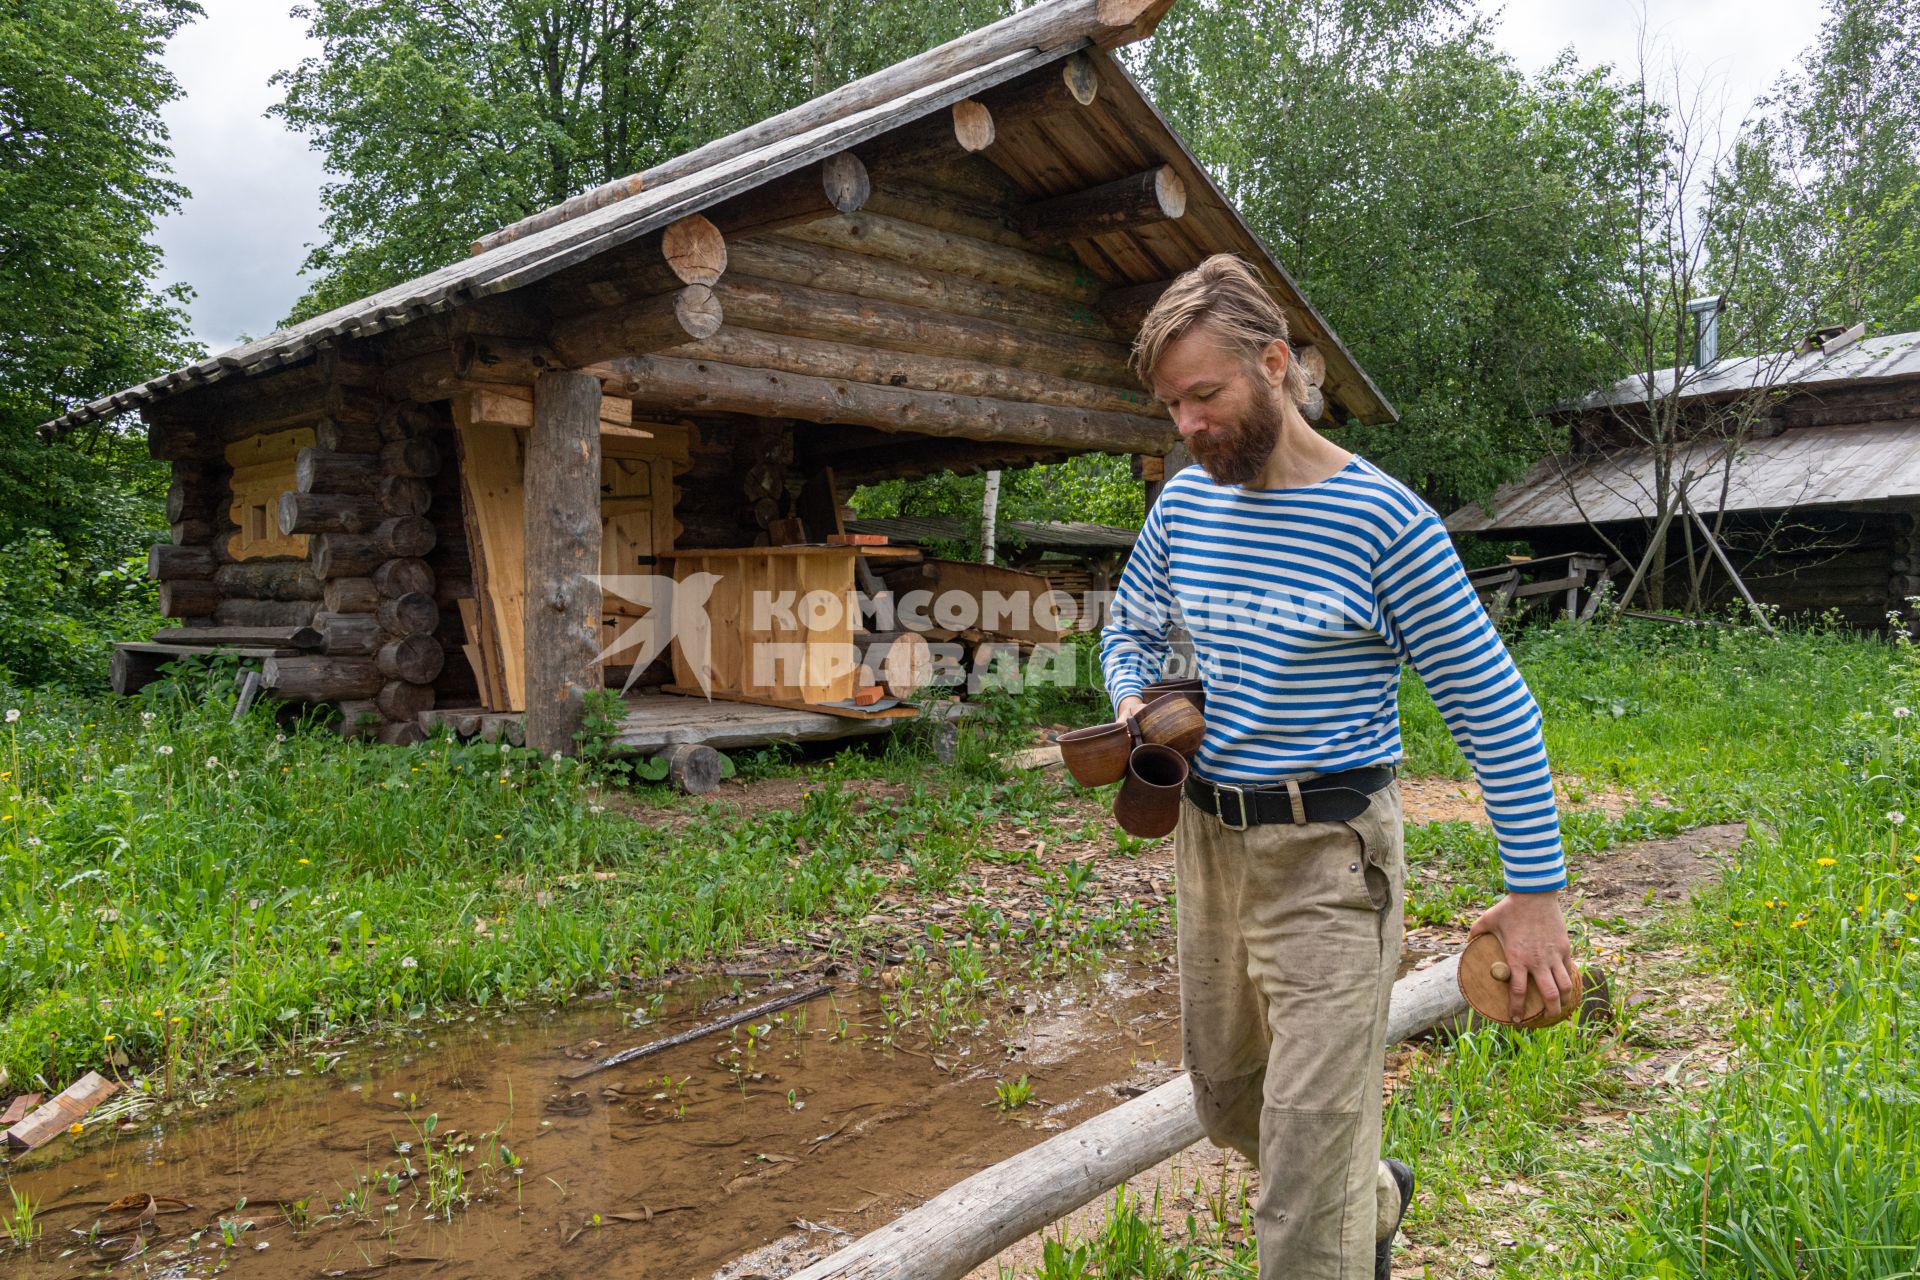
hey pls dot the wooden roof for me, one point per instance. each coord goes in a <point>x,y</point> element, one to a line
<point>1115,137</point>
<point>1864,465</point>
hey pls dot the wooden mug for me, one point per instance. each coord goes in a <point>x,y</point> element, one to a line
<point>1484,979</point>
<point>1173,721</point>
<point>1098,755</point>
<point>1149,801</point>
<point>1190,688</point>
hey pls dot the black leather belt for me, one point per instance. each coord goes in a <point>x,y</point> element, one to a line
<point>1325,797</point>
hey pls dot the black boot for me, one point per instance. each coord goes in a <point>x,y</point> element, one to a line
<point>1383,1252</point>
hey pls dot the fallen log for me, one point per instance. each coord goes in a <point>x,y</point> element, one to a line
<point>734,1019</point>
<point>969,1223</point>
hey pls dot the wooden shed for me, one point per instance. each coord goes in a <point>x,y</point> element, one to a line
<point>401,505</point>
<point>1816,487</point>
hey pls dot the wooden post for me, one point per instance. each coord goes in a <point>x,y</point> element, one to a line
<point>562,550</point>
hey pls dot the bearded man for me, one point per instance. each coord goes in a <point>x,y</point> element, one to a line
<point>1307,577</point>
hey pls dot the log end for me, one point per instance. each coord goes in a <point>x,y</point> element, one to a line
<point>846,181</point>
<point>1081,78</point>
<point>1170,190</point>
<point>695,250</point>
<point>972,125</point>
<point>697,308</point>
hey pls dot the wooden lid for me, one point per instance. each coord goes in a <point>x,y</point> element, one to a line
<point>1484,981</point>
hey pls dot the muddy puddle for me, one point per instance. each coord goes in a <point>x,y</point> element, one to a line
<point>459,1150</point>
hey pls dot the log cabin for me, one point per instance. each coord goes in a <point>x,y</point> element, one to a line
<point>400,507</point>
<point>1806,465</point>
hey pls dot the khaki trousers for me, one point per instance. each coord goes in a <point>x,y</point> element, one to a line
<point>1289,941</point>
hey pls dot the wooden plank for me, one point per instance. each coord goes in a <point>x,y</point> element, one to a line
<point>17,1109</point>
<point>205,650</point>
<point>849,713</point>
<point>265,637</point>
<point>493,499</point>
<point>505,406</point>
<point>66,1109</point>
<point>808,549</point>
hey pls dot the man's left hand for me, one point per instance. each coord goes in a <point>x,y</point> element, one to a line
<point>1533,933</point>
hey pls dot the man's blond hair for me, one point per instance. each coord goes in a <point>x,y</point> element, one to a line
<point>1225,295</point>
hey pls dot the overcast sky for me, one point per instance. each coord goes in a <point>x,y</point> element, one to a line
<point>240,240</point>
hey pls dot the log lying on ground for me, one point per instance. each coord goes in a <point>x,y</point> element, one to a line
<point>967,1224</point>
<point>663,384</point>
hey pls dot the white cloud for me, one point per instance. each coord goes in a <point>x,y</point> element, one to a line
<point>255,205</point>
<point>1727,51</point>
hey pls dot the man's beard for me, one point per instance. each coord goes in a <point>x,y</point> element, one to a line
<point>1239,455</point>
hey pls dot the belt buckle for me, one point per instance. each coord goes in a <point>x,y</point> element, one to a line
<point>1241,794</point>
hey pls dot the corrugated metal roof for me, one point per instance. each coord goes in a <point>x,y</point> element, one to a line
<point>1801,467</point>
<point>542,253</point>
<point>1032,533</point>
<point>1893,355</point>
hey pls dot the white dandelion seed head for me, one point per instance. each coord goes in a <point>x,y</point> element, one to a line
<point>213,762</point>
<point>408,962</point>
<point>164,749</point>
<point>13,713</point>
<point>1896,817</point>
<point>146,717</point>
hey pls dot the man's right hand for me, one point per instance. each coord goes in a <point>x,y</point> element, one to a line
<point>1129,705</point>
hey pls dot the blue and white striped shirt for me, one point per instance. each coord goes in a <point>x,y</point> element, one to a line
<point>1303,603</point>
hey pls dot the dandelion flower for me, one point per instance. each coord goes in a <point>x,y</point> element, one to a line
<point>1825,862</point>
<point>1896,817</point>
<point>1913,897</point>
<point>1739,924</point>
<point>408,962</point>
<point>146,717</point>
<point>164,749</point>
<point>306,862</point>
<point>13,713</point>
<point>1797,924</point>
<point>108,1037</point>
<point>213,762</point>
<point>1901,713</point>
<point>76,1127</point>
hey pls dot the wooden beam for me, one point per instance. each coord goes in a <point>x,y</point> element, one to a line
<point>664,320</point>
<point>838,184</point>
<point>1156,195</point>
<point>669,385</point>
<point>817,266</point>
<point>973,126</point>
<point>752,349</point>
<point>968,1223</point>
<point>562,534</point>
<point>694,250</point>
<point>1126,306</point>
<point>798,311</point>
<point>938,250</point>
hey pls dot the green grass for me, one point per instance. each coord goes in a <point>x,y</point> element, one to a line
<point>1802,1159</point>
<point>178,891</point>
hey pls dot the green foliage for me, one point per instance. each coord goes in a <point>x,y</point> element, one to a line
<point>83,177</point>
<point>1458,223</point>
<point>1822,194</point>
<point>442,121</point>
<point>1095,487</point>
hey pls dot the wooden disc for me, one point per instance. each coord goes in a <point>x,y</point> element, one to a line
<point>1489,994</point>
